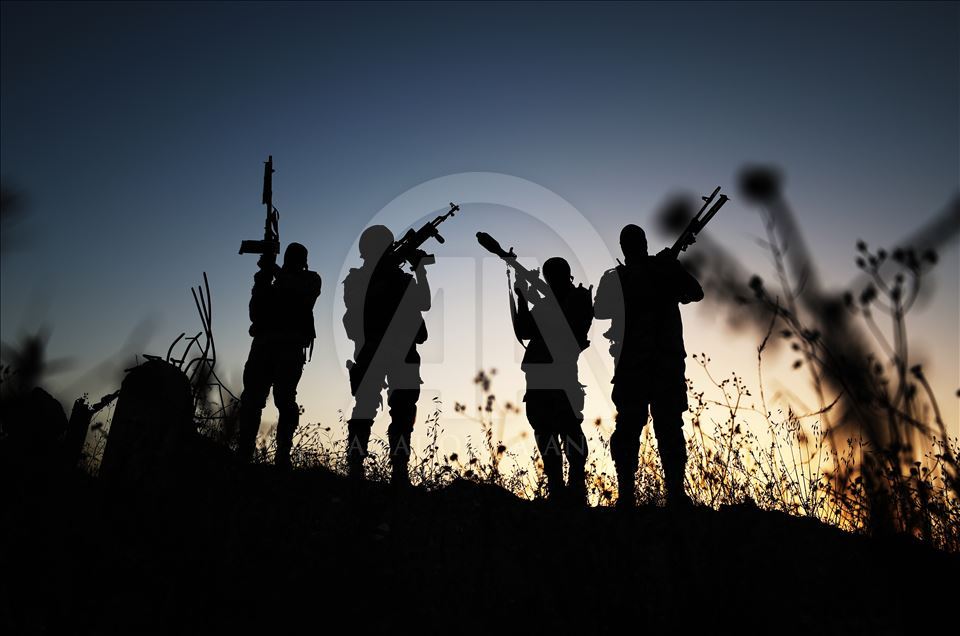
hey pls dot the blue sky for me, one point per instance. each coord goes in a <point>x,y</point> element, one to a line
<point>136,133</point>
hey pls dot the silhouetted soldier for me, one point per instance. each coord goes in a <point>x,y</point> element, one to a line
<point>385,322</point>
<point>557,329</point>
<point>281,317</point>
<point>646,336</point>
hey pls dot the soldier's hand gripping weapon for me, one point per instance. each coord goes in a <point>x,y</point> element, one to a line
<point>269,247</point>
<point>407,249</point>
<point>529,277</point>
<point>697,223</point>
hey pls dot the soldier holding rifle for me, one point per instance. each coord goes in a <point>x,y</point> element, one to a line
<point>384,319</point>
<point>556,328</point>
<point>641,297</point>
<point>281,317</point>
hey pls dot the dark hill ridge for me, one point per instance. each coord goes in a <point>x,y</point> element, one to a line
<point>243,551</point>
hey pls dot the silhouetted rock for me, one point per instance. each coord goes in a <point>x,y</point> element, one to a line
<point>151,426</point>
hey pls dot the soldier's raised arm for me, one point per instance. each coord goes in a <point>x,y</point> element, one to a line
<point>687,287</point>
<point>314,286</point>
<point>316,282</point>
<point>523,325</point>
<point>262,298</point>
<point>421,289</point>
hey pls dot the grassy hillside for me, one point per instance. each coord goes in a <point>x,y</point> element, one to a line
<point>222,548</point>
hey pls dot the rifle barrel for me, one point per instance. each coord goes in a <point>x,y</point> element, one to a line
<point>716,208</point>
<point>698,222</point>
<point>707,200</point>
<point>268,181</point>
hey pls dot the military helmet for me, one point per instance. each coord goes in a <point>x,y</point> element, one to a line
<point>556,271</point>
<point>375,240</point>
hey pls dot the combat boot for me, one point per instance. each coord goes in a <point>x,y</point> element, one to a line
<point>553,470</point>
<point>399,459</point>
<point>399,474</point>
<point>247,435</point>
<point>285,430</point>
<point>625,449</point>
<point>673,457</point>
<point>282,458</point>
<point>577,494</point>
<point>626,484</point>
<point>358,436</point>
<point>577,490</point>
<point>575,448</point>
<point>355,468</point>
<point>673,478</point>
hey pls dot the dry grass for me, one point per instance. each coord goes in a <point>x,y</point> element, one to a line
<point>779,461</point>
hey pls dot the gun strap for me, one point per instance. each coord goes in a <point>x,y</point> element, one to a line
<point>513,309</point>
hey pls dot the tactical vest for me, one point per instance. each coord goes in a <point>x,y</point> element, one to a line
<point>372,298</point>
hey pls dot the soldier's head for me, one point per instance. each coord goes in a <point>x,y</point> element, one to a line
<point>295,257</point>
<point>633,242</point>
<point>374,241</point>
<point>557,273</point>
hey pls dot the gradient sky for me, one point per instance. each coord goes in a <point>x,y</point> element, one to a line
<point>136,134</point>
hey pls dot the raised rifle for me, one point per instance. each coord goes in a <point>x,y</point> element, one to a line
<point>533,281</point>
<point>529,276</point>
<point>269,247</point>
<point>697,223</point>
<point>407,249</point>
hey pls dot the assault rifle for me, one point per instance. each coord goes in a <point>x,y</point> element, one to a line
<point>269,247</point>
<point>697,223</point>
<point>529,276</point>
<point>407,249</point>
